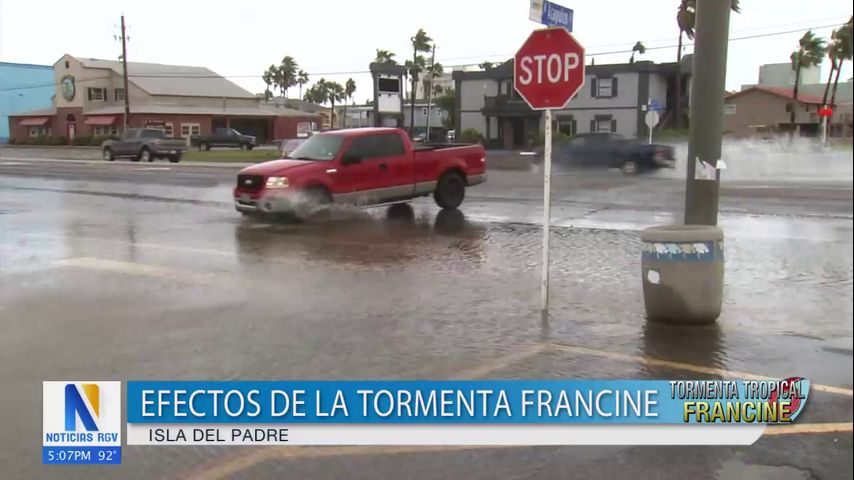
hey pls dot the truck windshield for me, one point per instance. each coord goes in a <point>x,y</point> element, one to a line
<point>318,147</point>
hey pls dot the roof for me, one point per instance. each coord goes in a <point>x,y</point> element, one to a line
<point>259,111</point>
<point>505,69</point>
<point>36,113</point>
<point>25,65</point>
<point>297,104</point>
<point>782,92</point>
<point>180,80</point>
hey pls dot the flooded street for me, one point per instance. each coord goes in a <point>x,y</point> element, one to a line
<point>133,272</point>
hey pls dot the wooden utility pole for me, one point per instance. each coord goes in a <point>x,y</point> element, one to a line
<point>125,75</point>
<point>430,93</point>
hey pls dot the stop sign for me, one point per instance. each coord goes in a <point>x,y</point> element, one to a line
<point>549,68</point>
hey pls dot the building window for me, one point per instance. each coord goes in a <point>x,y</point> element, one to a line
<point>188,129</point>
<point>39,131</point>
<point>423,111</point>
<point>604,87</point>
<point>169,129</point>
<point>729,109</point>
<point>603,124</point>
<point>120,94</point>
<point>566,125</point>
<point>97,93</point>
<point>66,64</point>
<point>105,130</point>
<point>789,107</point>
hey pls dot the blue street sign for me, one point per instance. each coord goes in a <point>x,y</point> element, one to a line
<point>654,105</point>
<point>553,15</point>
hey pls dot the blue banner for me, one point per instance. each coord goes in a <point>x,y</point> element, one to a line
<point>467,402</point>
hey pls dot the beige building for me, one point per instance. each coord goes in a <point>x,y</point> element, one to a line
<point>89,100</point>
<point>766,111</point>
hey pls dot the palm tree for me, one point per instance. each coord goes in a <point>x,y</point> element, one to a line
<point>420,43</point>
<point>432,72</point>
<point>639,48</point>
<point>686,16</point>
<point>486,65</point>
<point>302,79</point>
<point>842,46</point>
<point>267,77</point>
<point>349,90</point>
<point>271,75</point>
<point>385,57</point>
<point>809,53</point>
<point>288,77</point>
<point>335,94</point>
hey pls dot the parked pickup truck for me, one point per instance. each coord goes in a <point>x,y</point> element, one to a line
<point>224,137</point>
<point>144,144</point>
<point>360,166</point>
<point>610,150</point>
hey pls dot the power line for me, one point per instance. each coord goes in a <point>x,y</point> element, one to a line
<point>357,72</point>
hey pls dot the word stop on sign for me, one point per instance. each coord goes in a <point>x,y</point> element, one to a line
<point>557,68</point>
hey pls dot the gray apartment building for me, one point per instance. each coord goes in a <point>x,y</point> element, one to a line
<point>613,99</point>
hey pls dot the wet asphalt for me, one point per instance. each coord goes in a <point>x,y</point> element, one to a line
<point>130,271</point>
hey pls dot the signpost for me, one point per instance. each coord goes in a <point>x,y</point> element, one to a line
<point>825,113</point>
<point>548,70</point>
<point>651,118</point>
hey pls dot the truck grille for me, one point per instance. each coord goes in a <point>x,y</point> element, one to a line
<point>250,183</point>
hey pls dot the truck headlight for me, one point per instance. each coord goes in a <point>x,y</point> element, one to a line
<point>277,182</point>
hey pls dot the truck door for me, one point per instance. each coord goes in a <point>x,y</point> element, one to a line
<point>383,169</point>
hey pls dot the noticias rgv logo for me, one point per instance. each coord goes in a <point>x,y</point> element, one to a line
<point>76,408</point>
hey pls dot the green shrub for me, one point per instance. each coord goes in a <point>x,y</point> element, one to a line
<point>81,140</point>
<point>471,135</point>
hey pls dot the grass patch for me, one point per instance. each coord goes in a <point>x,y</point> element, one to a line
<point>237,156</point>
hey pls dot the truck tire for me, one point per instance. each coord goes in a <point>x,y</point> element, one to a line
<point>315,199</point>
<point>243,146</point>
<point>175,158</point>
<point>108,154</point>
<point>144,155</point>
<point>450,191</point>
<point>629,167</point>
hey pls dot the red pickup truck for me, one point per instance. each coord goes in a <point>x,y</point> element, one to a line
<point>360,166</point>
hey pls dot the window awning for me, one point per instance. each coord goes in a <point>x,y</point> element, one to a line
<point>104,120</point>
<point>35,121</point>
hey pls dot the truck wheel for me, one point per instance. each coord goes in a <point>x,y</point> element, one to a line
<point>249,147</point>
<point>144,155</point>
<point>629,167</point>
<point>314,200</point>
<point>243,146</point>
<point>108,154</point>
<point>450,191</point>
<point>175,158</point>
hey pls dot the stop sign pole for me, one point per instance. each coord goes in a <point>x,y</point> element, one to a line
<point>548,70</point>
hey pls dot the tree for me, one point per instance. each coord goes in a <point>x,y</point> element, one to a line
<point>349,90</point>
<point>271,77</point>
<point>842,47</point>
<point>267,77</point>
<point>302,79</point>
<point>486,65</point>
<point>420,43</point>
<point>385,57</point>
<point>686,16</point>
<point>432,72</point>
<point>639,48</point>
<point>323,92</point>
<point>448,102</point>
<point>287,74</point>
<point>809,53</point>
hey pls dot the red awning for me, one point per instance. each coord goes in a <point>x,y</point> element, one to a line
<point>101,120</point>
<point>35,121</point>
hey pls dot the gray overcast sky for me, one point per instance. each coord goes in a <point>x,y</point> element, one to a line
<point>238,38</point>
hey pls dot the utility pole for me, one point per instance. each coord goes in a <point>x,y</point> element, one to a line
<point>125,75</point>
<point>708,80</point>
<point>430,93</point>
<point>414,74</point>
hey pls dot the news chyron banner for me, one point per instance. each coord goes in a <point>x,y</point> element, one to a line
<point>482,412</point>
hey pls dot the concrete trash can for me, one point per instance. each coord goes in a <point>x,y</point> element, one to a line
<point>683,273</point>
